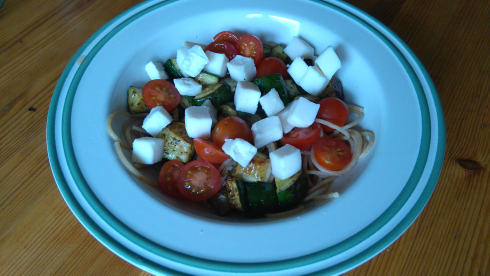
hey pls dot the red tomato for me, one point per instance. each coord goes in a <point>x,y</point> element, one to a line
<point>332,154</point>
<point>222,47</point>
<point>169,178</point>
<point>250,46</point>
<point>302,138</point>
<point>161,92</point>
<point>208,151</point>
<point>227,36</point>
<point>199,180</point>
<point>230,128</point>
<point>272,65</point>
<point>334,111</point>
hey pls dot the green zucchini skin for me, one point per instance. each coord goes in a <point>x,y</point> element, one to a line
<point>261,198</point>
<point>218,93</point>
<point>278,52</point>
<point>267,51</point>
<point>206,78</point>
<point>266,83</point>
<point>236,194</point>
<point>173,69</point>
<point>293,195</point>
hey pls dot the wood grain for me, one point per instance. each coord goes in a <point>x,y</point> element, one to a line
<point>40,236</point>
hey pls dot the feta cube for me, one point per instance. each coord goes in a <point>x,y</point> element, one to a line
<point>217,64</point>
<point>242,68</point>
<point>247,96</point>
<point>302,113</point>
<point>198,122</point>
<point>194,61</point>
<point>285,162</point>
<point>328,62</point>
<point>283,116</point>
<point>155,71</point>
<point>239,150</point>
<point>299,48</point>
<point>271,103</point>
<point>147,150</point>
<point>297,69</point>
<point>187,86</point>
<point>314,81</point>
<point>181,54</point>
<point>266,130</point>
<point>157,120</point>
<point>212,111</point>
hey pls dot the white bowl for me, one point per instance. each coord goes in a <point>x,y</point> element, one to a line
<point>380,198</point>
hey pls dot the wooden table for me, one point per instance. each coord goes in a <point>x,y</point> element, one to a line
<point>39,234</point>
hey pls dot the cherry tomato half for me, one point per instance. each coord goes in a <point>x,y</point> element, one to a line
<point>169,178</point>
<point>302,138</point>
<point>199,180</point>
<point>334,111</point>
<point>161,92</point>
<point>250,46</point>
<point>272,65</point>
<point>227,36</point>
<point>222,47</point>
<point>230,128</point>
<point>332,154</point>
<point>209,151</point>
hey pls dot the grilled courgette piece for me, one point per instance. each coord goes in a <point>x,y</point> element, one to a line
<point>292,190</point>
<point>173,69</point>
<point>236,193</point>
<point>178,145</point>
<point>218,93</point>
<point>333,89</point>
<point>261,198</point>
<point>258,170</point>
<point>278,52</point>
<point>206,78</point>
<point>266,83</point>
<point>226,110</point>
<point>136,103</point>
<point>292,88</point>
<point>220,202</point>
<point>267,51</point>
<point>231,82</point>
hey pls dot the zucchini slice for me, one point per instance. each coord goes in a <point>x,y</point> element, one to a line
<point>258,170</point>
<point>278,52</point>
<point>206,78</point>
<point>261,198</point>
<point>236,193</point>
<point>266,83</point>
<point>178,145</point>
<point>267,51</point>
<point>291,191</point>
<point>226,110</point>
<point>218,93</point>
<point>231,82</point>
<point>333,89</point>
<point>173,69</point>
<point>309,97</point>
<point>136,103</point>
<point>292,88</point>
<point>220,202</point>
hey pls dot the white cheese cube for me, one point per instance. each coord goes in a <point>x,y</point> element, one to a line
<point>239,150</point>
<point>147,150</point>
<point>181,54</point>
<point>314,81</point>
<point>299,48</point>
<point>212,111</point>
<point>302,113</point>
<point>247,96</point>
<point>297,69</point>
<point>328,62</point>
<point>242,68</point>
<point>217,64</point>
<point>198,122</point>
<point>157,120</point>
<point>285,162</point>
<point>271,103</point>
<point>266,130</point>
<point>194,61</point>
<point>155,71</point>
<point>187,86</point>
<point>283,116</point>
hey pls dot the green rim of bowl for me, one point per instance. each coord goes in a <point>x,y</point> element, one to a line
<point>205,264</point>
